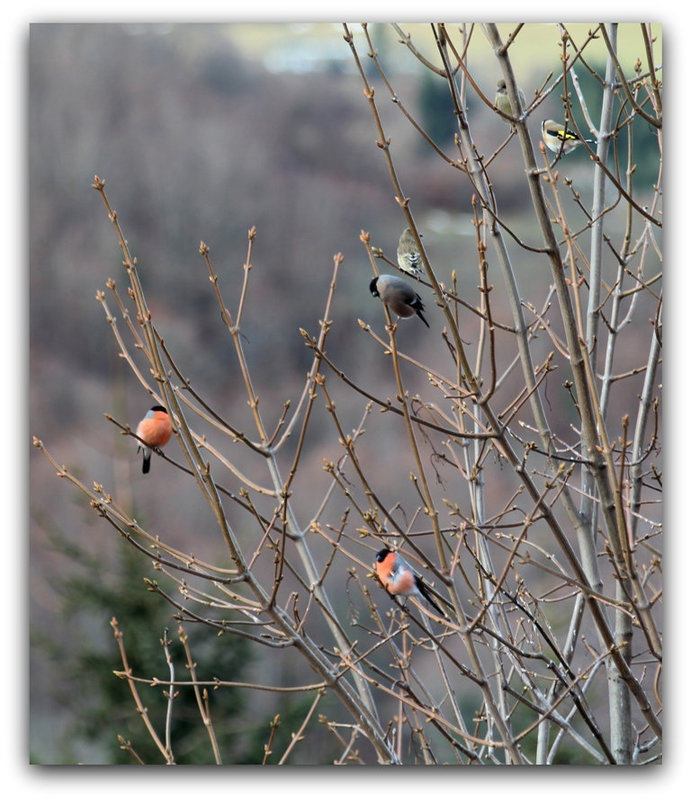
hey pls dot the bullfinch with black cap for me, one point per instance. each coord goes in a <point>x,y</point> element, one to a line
<point>398,577</point>
<point>398,295</point>
<point>154,431</point>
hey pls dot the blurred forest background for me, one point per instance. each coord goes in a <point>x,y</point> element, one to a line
<point>201,132</point>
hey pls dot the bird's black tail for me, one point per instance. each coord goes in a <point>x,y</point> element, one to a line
<point>419,308</point>
<point>424,591</point>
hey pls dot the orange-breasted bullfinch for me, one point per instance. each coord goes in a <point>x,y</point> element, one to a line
<point>558,138</point>
<point>154,430</point>
<point>398,295</point>
<point>398,577</point>
<point>408,255</point>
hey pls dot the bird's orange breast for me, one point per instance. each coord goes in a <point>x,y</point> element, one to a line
<point>156,430</point>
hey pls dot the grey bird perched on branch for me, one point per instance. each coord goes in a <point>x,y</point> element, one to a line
<point>398,295</point>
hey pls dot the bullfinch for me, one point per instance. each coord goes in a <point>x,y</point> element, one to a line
<point>398,578</point>
<point>501,99</point>
<point>408,255</point>
<point>155,431</point>
<point>398,295</point>
<point>558,138</point>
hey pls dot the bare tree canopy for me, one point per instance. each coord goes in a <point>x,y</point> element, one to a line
<point>508,455</point>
